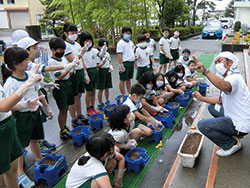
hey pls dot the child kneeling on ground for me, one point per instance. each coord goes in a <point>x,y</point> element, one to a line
<point>191,74</point>
<point>93,168</point>
<point>122,123</point>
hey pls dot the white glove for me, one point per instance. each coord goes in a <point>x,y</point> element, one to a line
<point>83,50</point>
<point>86,77</point>
<point>122,68</point>
<point>166,95</point>
<point>156,108</point>
<point>154,122</point>
<point>103,50</point>
<point>131,143</point>
<point>30,105</point>
<point>111,68</point>
<point>188,84</point>
<point>31,82</point>
<point>181,92</point>
<point>51,85</point>
<point>72,65</point>
<point>199,80</point>
<point>48,111</point>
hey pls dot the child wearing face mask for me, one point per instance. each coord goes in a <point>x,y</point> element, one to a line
<point>122,123</point>
<point>63,95</point>
<point>125,52</point>
<point>135,105</point>
<point>191,74</point>
<point>172,79</point>
<point>72,50</point>
<point>185,57</point>
<point>162,93</point>
<point>149,100</point>
<point>93,168</point>
<point>175,46</point>
<point>104,79</point>
<point>143,55</point>
<point>90,60</point>
<point>180,71</point>
<point>165,54</point>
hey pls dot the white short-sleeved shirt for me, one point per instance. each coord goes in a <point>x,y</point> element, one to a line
<point>145,54</point>
<point>190,74</point>
<point>133,107</point>
<point>166,45</point>
<point>53,61</point>
<point>237,103</point>
<point>126,49</point>
<point>12,84</point>
<point>183,62</point>
<point>148,94</point>
<point>78,175</point>
<point>73,48</point>
<point>91,58</point>
<point>32,66</point>
<point>3,115</point>
<point>151,43</point>
<point>174,43</point>
<point>107,62</point>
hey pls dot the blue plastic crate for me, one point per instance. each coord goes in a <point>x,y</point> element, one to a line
<point>107,109</point>
<point>189,93</point>
<point>173,109</point>
<point>79,138</point>
<point>167,121</point>
<point>96,124</point>
<point>120,99</point>
<point>156,135</point>
<point>182,100</point>
<point>136,164</point>
<point>203,88</point>
<point>50,173</point>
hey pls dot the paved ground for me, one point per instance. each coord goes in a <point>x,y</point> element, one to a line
<point>158,171</point>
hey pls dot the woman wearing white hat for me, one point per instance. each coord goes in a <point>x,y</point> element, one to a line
<point>226,130</point>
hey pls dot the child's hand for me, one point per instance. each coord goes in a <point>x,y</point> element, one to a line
<point>52,85</point>
<point>170,56</point>
<point>181,92</point>
<point>122,68</point>
<point>86,77</point>
<point>136,66</point>
<point>199,80</point>
<point>111,68</point>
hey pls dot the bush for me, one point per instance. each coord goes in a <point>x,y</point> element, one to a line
<point>237,26</point>
<point>58,31</point>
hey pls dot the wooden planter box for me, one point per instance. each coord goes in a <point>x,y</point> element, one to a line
<point>233,47</point>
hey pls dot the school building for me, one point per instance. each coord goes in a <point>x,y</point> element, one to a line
<point>242,11</point>
<point>16,14</point>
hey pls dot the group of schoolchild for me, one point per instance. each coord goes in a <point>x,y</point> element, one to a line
<point>74,68</point>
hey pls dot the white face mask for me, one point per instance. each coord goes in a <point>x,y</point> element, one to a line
<point>159,83</point>
<point>73,37</point>
<point>180,75</point>
<point>109,157</point>
<point>192,68</point>
<point>142,45</point>
<point>149,86</point>
<point>220,68</point>
<point>176,34</point>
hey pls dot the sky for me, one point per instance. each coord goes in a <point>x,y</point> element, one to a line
<point>221,4</point>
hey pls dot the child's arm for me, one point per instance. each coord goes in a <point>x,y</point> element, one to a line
<point>46,106</point>
<point>179,91</point>
<point>54,68</point>
<point>122,68</point>
<point>102,63</point>
<point>121,164</point>
<point>60,76</point>
<point>103,182</point>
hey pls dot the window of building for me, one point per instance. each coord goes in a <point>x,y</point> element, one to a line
<point>11,1</point>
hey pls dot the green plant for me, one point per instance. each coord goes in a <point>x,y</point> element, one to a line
<point>237,26</point>
<point>47,78</point>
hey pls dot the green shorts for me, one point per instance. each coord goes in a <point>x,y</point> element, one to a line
<point>164,59</point>
<point>63,96</point>
<point>77,82</point>
<point>175,53</point>
<point>44,116</point>
<point>93,73</point>
<point>104,79</point>
<point>129,72</point>
<point>141,70</point>
<point>29,126</point>
<point>10,146</point>
<point>86,184</point>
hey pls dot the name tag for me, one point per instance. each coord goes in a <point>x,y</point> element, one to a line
<point>217,107</point>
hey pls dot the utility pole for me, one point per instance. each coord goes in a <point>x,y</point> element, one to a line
<point>145,11</point>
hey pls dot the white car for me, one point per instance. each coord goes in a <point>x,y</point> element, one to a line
<point>225,23</point>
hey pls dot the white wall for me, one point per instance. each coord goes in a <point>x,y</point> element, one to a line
<point>243,15</point>
<point>3,20</point>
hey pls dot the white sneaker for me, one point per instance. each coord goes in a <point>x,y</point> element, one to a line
<point>25,182</point>
<point>231,151</point>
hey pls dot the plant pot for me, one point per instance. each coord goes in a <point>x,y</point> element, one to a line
<point>203,88</point>
<point>120,99</point>
<point>157,134</point>
<point>80,134</point>
<point>173,107</point>
<point>182,99</point>
<point>107,109</point>
<point>167,119</point>
<point>189,93</point>
<point>190,148</point>
<point>96,121</point>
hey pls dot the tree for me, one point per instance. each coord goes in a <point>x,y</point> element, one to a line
<point>229,11</point>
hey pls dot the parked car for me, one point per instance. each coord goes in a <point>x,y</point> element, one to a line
<point>225,23</point>
<point>212,29</point>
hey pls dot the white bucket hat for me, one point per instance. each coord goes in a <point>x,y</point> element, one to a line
<point>18,35</point>
<point>27,42</point>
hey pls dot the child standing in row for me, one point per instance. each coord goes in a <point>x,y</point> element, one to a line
<point>175,46</point>
<point>104,81</point>
<point>125,50</point>
<point>77,78</point>
<point>165,54</point>
<point>63,96</point>
<point>90,59</point>
<point>143,56</point>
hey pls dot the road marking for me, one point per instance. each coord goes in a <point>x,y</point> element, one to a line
<point>177,161</point>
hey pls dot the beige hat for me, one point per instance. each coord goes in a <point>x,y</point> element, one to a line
<point>27,42</point>
<point>18,35</point>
